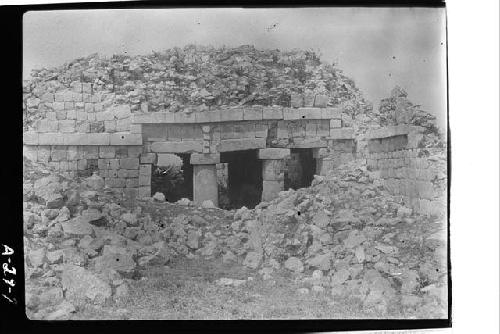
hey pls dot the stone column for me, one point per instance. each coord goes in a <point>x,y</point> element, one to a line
<point>323,162</point>
<point>273,166</point>
<point>205,177</point>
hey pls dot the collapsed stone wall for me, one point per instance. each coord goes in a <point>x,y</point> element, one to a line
<point>417,174</point>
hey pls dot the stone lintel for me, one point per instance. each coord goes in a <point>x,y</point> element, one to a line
<point>186,146</point>
<point>241,144</point>
<point>273,153</point>
<point>125,138</point>
<point>389,131</point>
<point>312,142</point>
<point>204,159</point>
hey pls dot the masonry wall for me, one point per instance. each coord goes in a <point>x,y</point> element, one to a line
<point>417,174</point>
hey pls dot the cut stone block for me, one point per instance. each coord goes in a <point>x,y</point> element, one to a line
<point>341,133</point>
<point>296,100</point>
<point>181,117</point>
<point>227,115</point>
<point>301,113</point>
<point>148,158</point>
<point>241,144</point>
<point>50,139</point>
<point>207,117</point>
<point>335,123</point>
<point>273,153</point>
<point>129,163</point>
<point>272,113</point>
<point>271,189</point>
<point>30,138</point>
<point>125,138</point>
<point>309,143</point>
<point>205,184</point>
<point>273,170</point>
<point>252,114</point>
<point>329,113</point>
<point>144,192</point>
<point>204,159</point>
<point>165,160</point>
<point>178,146</point>
<point>321,101</point>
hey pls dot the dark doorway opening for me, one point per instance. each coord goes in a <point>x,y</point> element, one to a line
<point>300,168</point>
<point>244,178</point>
<point>175,180</point>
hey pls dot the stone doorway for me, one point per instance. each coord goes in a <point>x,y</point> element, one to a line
<point>244,178</point>
<point>173,176</point>
<point>299,168</point>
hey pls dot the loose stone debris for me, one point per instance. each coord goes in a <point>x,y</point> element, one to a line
<point>348,236</point>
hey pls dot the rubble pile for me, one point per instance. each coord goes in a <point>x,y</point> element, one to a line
<point>398,109</point>
<point>198,78</point>
<point>344,236</point>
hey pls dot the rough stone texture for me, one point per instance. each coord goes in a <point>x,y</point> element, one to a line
<point>83,287</point>
<point>205,184</point>
<point>270,189</point>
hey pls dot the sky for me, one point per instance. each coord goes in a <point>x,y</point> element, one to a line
<point>377,47</point>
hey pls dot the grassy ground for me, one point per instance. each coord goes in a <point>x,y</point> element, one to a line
<point>188,291</point>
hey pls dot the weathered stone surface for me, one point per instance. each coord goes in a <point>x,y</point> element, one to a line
<point>83,287</point>
<point>271,189</point>
<point>78,226</point>
<point>253,260</point>
<point>294,264</point>
<point>125,138</point>
<point>241,144</point>
<point>204,159</point>
<point>273,153</point>
<point>187,146</point>
<point>37,257</point>
<point>273,170</point>
<point>205,184</point>
<point>122,263</point>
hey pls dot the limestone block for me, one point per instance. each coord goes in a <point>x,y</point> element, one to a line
<point>110,126</point>
<point>301,113</point>
<point>97,139</point>
<point>282,130</point>
<point>205,184</point>
<point>89,107</point>
<point>296,100</point>
<point>43,153</point>
<point>244,130</point>
<point>58,106</point>
<point>308,99</point>
<point>112,182</point>
<point>129,163</point>
<point>67,126</point>
<point>50,139</point>
<point>252,114</point>
<point>165,160</point>
<point>132,183</point>
<point>227,115</point>
<point>321,101</point>
<point>123,125</point>
<point>329,113</point>
<point>47,97</point>
<point>30,138</point>
<point>61,115</point>
<point>134,151</point>
<point>106,152</point>
<point>260,130</point>
<point>178,147</point>
<point>148,158</point>
<point>181,117</point>
<point>125,138</point>
<point>207,116</point>
<point>227,131</point>
<point>82,164</point>
<point>271,189</point>
<point>272,113</point>
<point>273,170</point>
<point>313,142</point>
<point>44,125</point>
<point>105,116</point>
<point>144,180</point>
<point>141,118</point>
<point>204,159</point>
<point>335,123</point>
<point>136,128</point>
<point>70,114</point>
<point>144,192</point>
<point>58,153</point>
<point>145,170</point>
<point>241,144</point>
<point>273,153</point>
<point>121,111</point>
<point>30,152</point>
<point>164,117</point>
